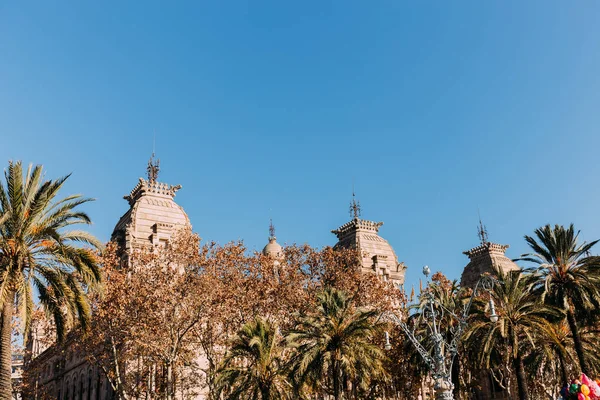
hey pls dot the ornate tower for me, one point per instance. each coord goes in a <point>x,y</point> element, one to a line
<point>488,257</point>
<point>153,214</point>
<point>378,256</point>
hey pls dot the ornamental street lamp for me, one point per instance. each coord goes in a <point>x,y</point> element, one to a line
<point>444,349</point>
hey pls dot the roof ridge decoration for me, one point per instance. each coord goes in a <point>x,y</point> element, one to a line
<point>487,247</point>
<point>146,186</point>
<point>356,224</point>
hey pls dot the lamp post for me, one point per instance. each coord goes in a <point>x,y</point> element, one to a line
<point>444,349</point>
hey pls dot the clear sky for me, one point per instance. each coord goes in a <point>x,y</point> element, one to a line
<point>273,108</point>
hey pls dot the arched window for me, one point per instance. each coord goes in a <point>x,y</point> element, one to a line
<point>67,390</point>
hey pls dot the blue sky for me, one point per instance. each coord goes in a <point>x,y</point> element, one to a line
<point>274,108</point>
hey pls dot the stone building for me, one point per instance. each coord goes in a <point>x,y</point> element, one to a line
<point>378,256</point>
<point>152,217</point>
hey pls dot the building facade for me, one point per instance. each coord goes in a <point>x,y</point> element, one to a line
<point>377,255</point>
<point>152,218</point>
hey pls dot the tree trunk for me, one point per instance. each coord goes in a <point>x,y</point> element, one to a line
<point>6,348</point>
<point>521,378</point>
<point>564,374</point>
<point>577,341</point>
<point>336,381</point>
<point>169,380</point>
<point>265,392</point>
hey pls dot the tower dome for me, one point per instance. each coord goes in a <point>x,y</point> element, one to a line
<point>378,256</point>
<point>487,258</point>
<point>273,249</point>
<point>153,215</point>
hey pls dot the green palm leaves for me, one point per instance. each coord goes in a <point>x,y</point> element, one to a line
<point>254,367</point>
<point>522,318</point>
<point>334,345</point>
<point>39,254</point>
<point>566,276</point>
<point>330,349</point>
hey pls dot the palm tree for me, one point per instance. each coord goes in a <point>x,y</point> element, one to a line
<point>551,360</point>
<point>254,368</point>
<point>37,253</point>
<point>567,276</point>
<point>334,344</point>
<point>521,318</point>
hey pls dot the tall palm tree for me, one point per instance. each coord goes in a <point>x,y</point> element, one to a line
<point>551,360</point>
<point>521,318</point>
<point>567,276</point>
<point>38,253</point>
<point>335,344</point>
<point>254,368</point>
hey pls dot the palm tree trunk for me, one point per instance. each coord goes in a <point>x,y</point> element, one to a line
<point>521,383</point>
<point>336,381</point>
<point>6,348</point>
<point>265,392</point>
<point>577,341</point>
<point>564,375</point>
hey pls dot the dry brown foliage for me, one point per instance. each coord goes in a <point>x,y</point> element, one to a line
<point>162,323</point>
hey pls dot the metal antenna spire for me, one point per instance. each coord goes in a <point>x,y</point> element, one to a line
<point>271,229</point>
<point>153,166</point>
<point>354,205</point>
<point>482,231</point>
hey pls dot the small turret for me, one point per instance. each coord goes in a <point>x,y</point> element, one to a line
<point>273,249</point>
